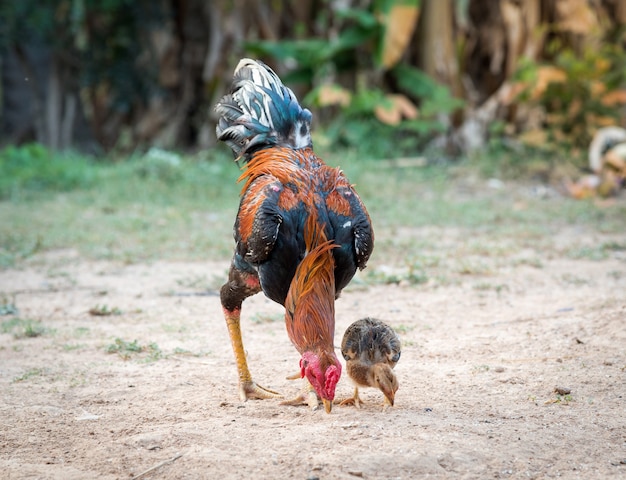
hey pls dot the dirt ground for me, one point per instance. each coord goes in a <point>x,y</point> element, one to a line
<point>477,376</point>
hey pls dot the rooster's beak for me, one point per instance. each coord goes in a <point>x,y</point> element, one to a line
<point>328,404</point>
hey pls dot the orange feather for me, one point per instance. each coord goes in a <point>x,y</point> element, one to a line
<point>310,303</point>
<point>254,197</point>
<point>281,162</point>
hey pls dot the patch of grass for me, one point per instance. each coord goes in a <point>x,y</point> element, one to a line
<point>169,328</point>
<point>472,267</point>
<point>182,351</point>
<point>485,286</point>
<point>7,306</point>
<point>480,369</point>
<point>14,248</point>
<point>561,399</point>
<point>31,168</point>
<point>534,262</point>
<point>104,311</point>
<point>24,328</point>
<point>7,326</point>
<point>78,379</point>
<point>384,276</point>
<point>588,253</point>
<point>31,373</point>
<point>137,213</point>
<point>595,252</point>
<point>122,346</point>
<point>81,331</point>
<point>163,205</point>
<point>616,274</point>
<point>571,279</point>
<point>127,350</point>
<point>404,329</point>
<point>414,271</point>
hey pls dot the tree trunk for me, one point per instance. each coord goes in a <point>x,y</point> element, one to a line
<point>435,44</point>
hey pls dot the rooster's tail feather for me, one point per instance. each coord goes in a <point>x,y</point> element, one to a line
<point>260,111</point>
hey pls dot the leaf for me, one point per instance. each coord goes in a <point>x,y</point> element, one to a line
<point>536,137</point>
<point>394,109</point>
<point>399,24</point>
<point>333,94</point>
<point>575,16</point>
<point>434,98</point>
<point>616,97</point>
<point>545,76</point>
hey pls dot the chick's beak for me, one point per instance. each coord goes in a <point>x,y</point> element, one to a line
<point>328,404</point>
<point>390,395</point>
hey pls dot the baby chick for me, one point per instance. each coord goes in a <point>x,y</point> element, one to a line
<point>371,349</point>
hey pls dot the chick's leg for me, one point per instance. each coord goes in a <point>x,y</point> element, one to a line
<point>240,286</point>
<point>353,400</point>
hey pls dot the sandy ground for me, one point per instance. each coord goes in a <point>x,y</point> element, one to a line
<point>477,377</point>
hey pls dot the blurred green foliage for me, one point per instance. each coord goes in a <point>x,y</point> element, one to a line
<point>318,62</point>
<point>582,92</point>
<point>99,40</point>
<point>31,168</point>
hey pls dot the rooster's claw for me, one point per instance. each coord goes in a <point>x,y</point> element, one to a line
<point>249,390</point>
<point>308,397</point>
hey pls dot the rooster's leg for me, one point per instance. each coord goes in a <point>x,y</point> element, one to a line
<point>240,286</point>
<point>306,396</point>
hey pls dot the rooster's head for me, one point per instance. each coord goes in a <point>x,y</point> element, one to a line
<point>323,372</point>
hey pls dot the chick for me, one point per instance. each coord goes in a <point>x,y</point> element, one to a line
<point>371,349</point>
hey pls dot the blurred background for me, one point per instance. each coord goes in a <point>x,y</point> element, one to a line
<point>390,78</point>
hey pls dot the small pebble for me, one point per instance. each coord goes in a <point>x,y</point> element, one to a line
<point>563,390</point>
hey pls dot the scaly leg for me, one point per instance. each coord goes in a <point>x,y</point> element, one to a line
<point>241,285</point>
<point>307,395</point>
<point>353,400</point>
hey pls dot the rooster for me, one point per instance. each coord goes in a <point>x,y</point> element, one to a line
<point>301,230</point>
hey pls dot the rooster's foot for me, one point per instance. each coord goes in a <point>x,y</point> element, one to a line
<point>250,389</point>
<point>305,397</point>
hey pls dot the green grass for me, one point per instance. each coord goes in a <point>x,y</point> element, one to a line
<point>28,374</point>
<point>161,205</point>
<point>24,328</point>
<point>126,350</point>
<point>134,212</point>
<point>7,306</point>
